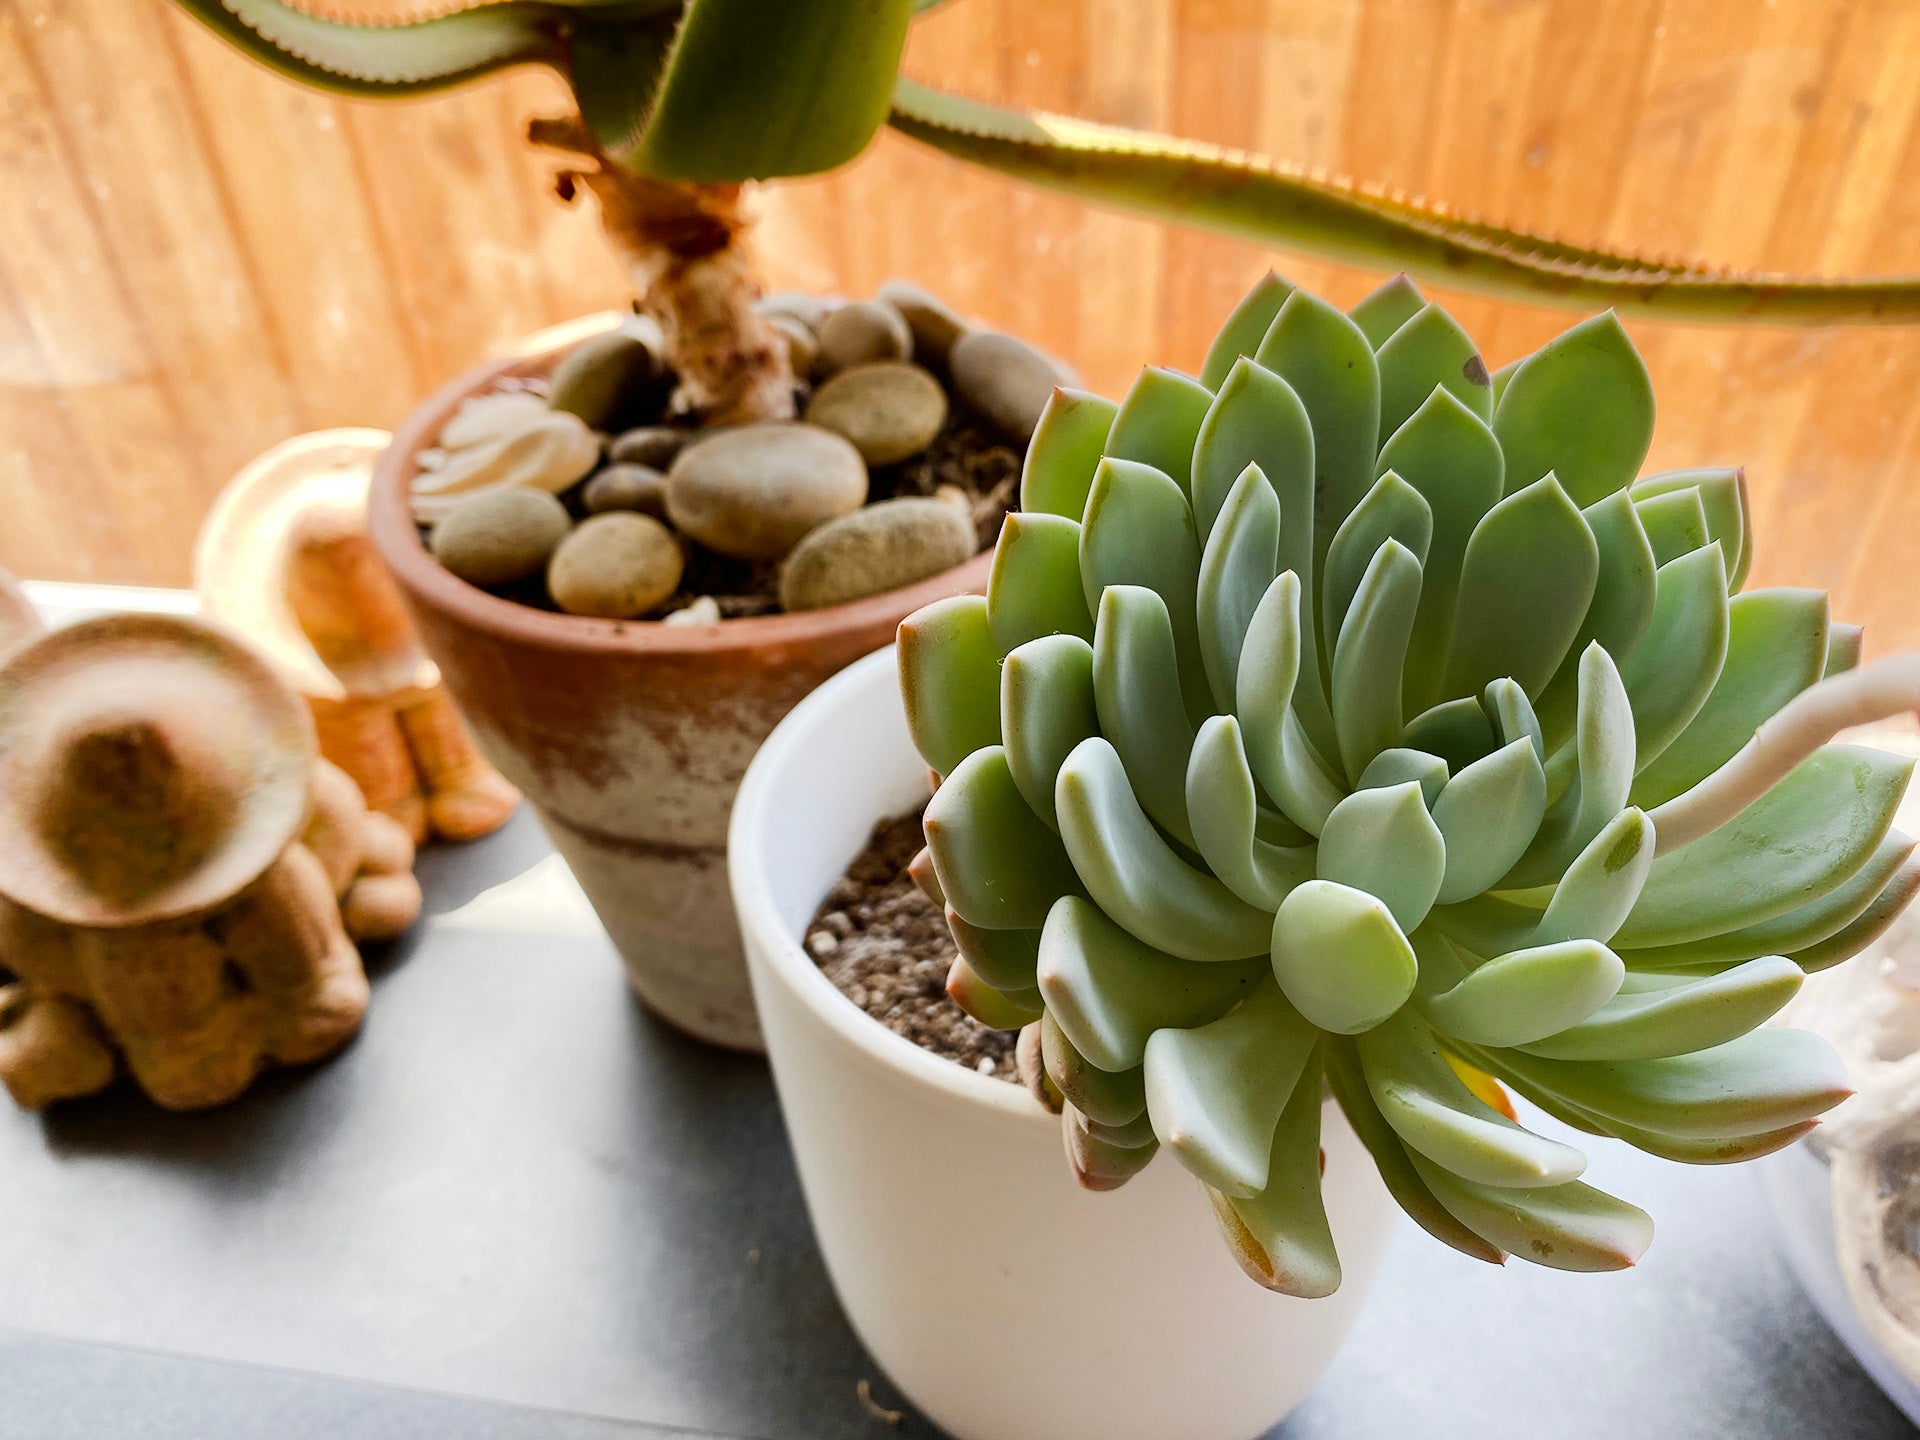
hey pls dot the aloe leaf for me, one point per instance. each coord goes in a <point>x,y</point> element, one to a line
<point>1603,775</point>
<point>1135,876</point>
<point>1254,199</point>
<point>1159,421</point>
<point>1564,1227</point>
<point>1581,409</point>
<point>1370,655</point>
<point>1843,648</point>
<point>1035,587</point>
<point>1458,731</point>
<point>1867,927</point>
<point>614,70</point>
<point>1383,311</point>
<point>1139,531</point>
<point>1136,687</point>
<point>1007,960</point>
<point>1109,992</point>
<point>1800,840</point>
<point>1385,843</point>
<point>1723,503</point>
<point>1430,350</point>
<point>1096,1163</point>
<point>1622,608</point>
<point>1437,1117</point>
<point>1800,927</point>
<point>752,91</point>
<point>1488,814</point>
<point>950,680</point>
<point>411,58</point>
<point>1392,510</point>
<point>1067,446</point>
<point>1216,1092</point>
<point>1776,647</point>
<point>1400,765</point>
<point>1326,359</point>
<point>993,1008</point>
<point>999,866</point>
<point>1527,995</point>
<point>1670,673</point>
<point>1764,1080</point>
<point>1280,1236</point>
<point>1525,583</point>
<point>1277,749</point>
<point>1224,809</point>
<point>1675,523</point>
<point>1108,1098</point>
<point>1047,707</point>
<point>1246,327</point>
<point>1447,453</point>
<point>1340,958</point>
<point>1238,562</point>
<point>1599,890</point>
<point>1652,1024</point>
<point>1390,1158</point>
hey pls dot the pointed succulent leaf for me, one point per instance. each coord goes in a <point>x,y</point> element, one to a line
<point>1099,1164</point>
<point>1109,992</point>
<point>950,680</point>
<point>1622,606</point>
<point>1579,408</point>
<point>1867,927</point>
<point>1526,995</point>
<point>1280,1236</point>
<point>1066,447</point>
<point>1159,421</point>
<point>1139,531</point>
<point>995,1009</point>
<point>1399,765</point>
<point>1326,359</point>
<point>1135,875</point>
<point>1601,886</point>
<point>1438,1117</point>
<point>1803,838</point>
<point>1238,562</point>
<point>1385,843</point>
<point>1257,419</point>
<point>1652,1022</point>
<point>1136,688</point>
<point>1383,311</point>
<point>1277,749</point>
<point>1458,731</point>
<point>1723,505</point>
<point>1511,715</point>
<point>1035,588</point>
<point>1005,959</point>
<point>1487,815</point>
<point>1246,327</point>
<point>1370,656</point>
<point>1429,351</point>
<point>1565,1227</point>
<point>1776,647</point>
<point>1602,756</point>
<point>1340,958</point>
<point>1529,573</point>
<point>1047,707</point>
<point>1391,510</point>
<point>1223,806</point>
<point>1843,648</point>
<point>999,866</point>
<point>1675,523</point>
<point>1108,1098</point>
<point>1670,673</point>
<point>1216,1092</point>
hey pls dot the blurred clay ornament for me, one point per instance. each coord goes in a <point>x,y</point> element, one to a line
<point>177,867</point>
<point>284,558</point>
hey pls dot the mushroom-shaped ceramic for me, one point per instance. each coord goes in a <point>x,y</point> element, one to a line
<point>285,559</point>
<point>158,903</point>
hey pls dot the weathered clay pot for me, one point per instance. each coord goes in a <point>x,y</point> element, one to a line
<point>629,737</point>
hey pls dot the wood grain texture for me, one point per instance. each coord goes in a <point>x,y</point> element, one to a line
<point>197,259</point>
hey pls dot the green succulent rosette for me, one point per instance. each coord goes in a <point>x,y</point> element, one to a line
<point>1350,718</point>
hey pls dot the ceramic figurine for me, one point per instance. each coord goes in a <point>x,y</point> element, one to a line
<point>285,559</point>
<point>177,867</point>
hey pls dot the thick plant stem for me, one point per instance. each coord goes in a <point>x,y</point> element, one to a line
<point>1855,697</point>
<point>684,245</point>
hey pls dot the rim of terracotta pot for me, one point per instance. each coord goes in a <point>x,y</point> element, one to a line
<point>903,1060</point>
<point>390,520</point>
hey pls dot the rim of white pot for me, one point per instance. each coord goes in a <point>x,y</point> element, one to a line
<point>789,743</point>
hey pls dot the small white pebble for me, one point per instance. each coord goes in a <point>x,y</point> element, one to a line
<point>704,611</point>
<point>986,1066</point>
<point>822,942</point>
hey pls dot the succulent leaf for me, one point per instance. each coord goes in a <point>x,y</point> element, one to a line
<point>1047,706</point>
<point>1256,419</point>
<point>1391,510</point>
<point>1622,608</point>
<point>1136,689</point>
<point>1035,588</point>
<point>1340,957</point>
<point>1430,351</point>
<point>1244,329</point>
<point>1280,1236</point>
<point>1675,522</point>
<point>1673,669</point>
<point>1371,654</point>
<point>1108,1098</point>
<point>1527,995</point>
<point>1139,531</point>
<point>1723,505</point>
<point>950,680</point>
<point>1650,1019</point>
<point>1602,885</point>
<point>1488,815</point>
<point>1005,959</point>
<point>1602,755</point>
<point>1067,444</point>
<point>1581,409</point>
<point>1237,564</point>
<point>1282,758</point>
<point>1159,421</point>
<point>1868,926</point>
<point>1383,842</point>
<point>1225,811</point>
<point>994,1008</point>
<point>1566,1227</point>
<point>1000,867</point>
<point>1383,311</point>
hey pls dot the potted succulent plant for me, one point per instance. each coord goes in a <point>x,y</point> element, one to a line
<point>1345,739</point>
<point>629,736</point>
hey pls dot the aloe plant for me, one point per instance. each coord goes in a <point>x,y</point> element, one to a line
<point>680,101</point>
<point>1352,719</point>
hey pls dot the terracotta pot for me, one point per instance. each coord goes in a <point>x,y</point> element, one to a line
<point>629,737</point>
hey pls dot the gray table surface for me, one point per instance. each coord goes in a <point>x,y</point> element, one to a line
<point>518,1207</point>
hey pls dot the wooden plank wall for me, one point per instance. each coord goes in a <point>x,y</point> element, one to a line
<point>197,260</point>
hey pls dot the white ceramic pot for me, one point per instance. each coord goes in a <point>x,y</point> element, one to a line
<point>1003,1300</point>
